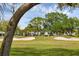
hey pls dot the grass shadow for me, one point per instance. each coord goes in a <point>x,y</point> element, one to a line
<point>43,52</point>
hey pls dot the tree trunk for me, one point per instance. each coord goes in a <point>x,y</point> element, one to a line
<point>6,44</point>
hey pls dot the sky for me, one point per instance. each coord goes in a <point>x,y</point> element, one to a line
<point>40,11</point>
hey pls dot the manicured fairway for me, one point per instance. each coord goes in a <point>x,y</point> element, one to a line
<point>43,46</point>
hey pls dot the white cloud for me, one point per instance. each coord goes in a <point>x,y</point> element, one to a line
<point>44,9</point>
<point>47,10</point>
<point>64,12</point>
<point>35,8</point>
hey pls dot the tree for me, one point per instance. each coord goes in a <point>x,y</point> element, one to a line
<point>18,30</point>
<point>36,24</point>
<point>3,25</point>
<point>56,21</point>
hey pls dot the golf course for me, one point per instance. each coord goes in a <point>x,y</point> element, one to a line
<point>39,29</point>
<point>44,46</point>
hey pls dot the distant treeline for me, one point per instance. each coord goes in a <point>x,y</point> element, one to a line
<point>54,23</point>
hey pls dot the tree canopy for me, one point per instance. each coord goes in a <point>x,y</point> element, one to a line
<point>53,22</point>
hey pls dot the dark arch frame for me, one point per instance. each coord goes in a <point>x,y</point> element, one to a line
<point>6,44</point>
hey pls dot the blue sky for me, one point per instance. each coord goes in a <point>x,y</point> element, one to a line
<point>40,11</point>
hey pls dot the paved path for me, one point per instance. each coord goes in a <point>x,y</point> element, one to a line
<point>26,38</point>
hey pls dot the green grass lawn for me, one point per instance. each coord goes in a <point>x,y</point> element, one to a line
<point>45,46</point>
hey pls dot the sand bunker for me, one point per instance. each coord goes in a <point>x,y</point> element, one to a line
<point>63,38</point>
<point>26,38</point>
